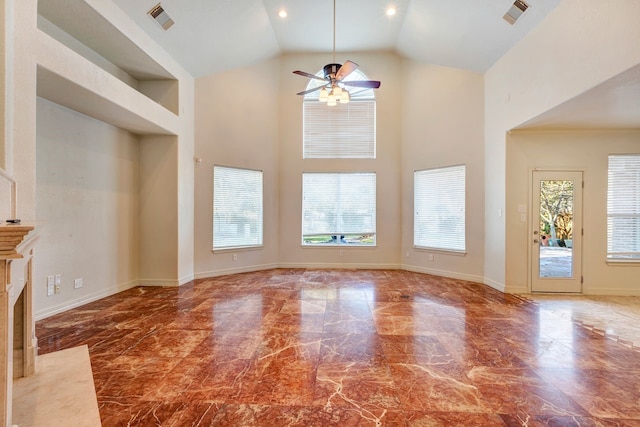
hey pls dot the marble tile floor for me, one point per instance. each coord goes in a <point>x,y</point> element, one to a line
<point>293,347</point>
<point>616,317</point>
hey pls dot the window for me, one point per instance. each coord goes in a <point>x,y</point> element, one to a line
<point>237,207</point>
<point>439,209</point>
<point>339,208</point>
<point>345,131</point>
<point>623,207</point>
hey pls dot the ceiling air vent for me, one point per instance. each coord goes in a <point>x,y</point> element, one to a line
<point>159,14</point>
<point>517,9</point>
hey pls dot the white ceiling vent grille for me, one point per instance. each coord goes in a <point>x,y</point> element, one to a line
<point>516,10</point>
<point>159,14</point>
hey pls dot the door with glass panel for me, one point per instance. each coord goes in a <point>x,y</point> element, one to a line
<point>556,232</point>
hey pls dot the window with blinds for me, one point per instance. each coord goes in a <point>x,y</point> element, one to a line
<point>623,208</point>
<point>237,207</point>
<point>344,131</point>
<point>339,209</point>
<point>439,209</point>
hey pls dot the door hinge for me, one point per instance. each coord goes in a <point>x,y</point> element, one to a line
<point>582,184</point>
<point>582,231</point>
<point>581,279</point>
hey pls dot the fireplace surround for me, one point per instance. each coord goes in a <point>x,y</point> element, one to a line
<point>17,325</point>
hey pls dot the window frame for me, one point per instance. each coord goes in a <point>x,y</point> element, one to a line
<point>339,132</point>
<point>340,239</point>
<point>259,222</point>
<point>625,191</point>
<point>418,242</point>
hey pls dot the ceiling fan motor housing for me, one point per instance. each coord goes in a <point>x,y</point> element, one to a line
<point>331,69</point>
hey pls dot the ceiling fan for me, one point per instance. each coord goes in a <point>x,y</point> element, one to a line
<point>333,90</point>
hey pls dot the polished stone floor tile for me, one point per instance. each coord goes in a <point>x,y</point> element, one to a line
<point>296,347</point>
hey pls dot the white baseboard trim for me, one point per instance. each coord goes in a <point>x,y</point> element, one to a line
<point>619,292</point>
<point>495,285</point>
<point>60,308</point>
<point>340,266</point>
<point>159,282</point>
<point>186,279</point>
<point>225,272</point>
<point>516,290</point>
<point>443,273</point>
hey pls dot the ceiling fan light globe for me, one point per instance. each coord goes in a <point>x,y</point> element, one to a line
<point>331,102</point>
<point>324,95</point>
<point>337,92</point>
<point>345,98</point>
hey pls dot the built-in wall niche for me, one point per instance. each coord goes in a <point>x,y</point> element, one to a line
<point>81,28</point>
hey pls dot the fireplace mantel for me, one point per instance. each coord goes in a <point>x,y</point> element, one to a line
<point>15,244</point>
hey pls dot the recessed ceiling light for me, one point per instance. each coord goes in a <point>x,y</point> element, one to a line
<point>391,11</point>
<point>282,13</point>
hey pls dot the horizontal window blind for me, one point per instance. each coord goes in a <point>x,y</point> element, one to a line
<point>237,207</point>
<point>623,207</point>
<point>338,204</point>
<point>345,131</point>
<point>439,208</point>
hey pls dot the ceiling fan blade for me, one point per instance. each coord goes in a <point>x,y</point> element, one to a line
<point>362,83</point>
<point>304,92</point>
<point>308,75</point>
<point>347,68</point>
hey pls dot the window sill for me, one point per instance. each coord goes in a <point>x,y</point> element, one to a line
<point>238,248</point>
<point>338,245</point>
<point>440,251</point>
<point>624,262</point>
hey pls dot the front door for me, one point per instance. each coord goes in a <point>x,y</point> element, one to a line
<point>556,232</point>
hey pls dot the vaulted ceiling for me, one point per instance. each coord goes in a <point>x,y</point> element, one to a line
<point>214,35</point>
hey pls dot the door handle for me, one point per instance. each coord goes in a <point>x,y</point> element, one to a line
<point>535,241</point>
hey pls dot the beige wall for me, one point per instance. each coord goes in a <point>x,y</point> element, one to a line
<point>427,116</point>
<point>443,122</point>
<point>236,125</point>
<point>87,196</point>
<point>585,151</point>
<point>383,67</point>
<point>169,260</point>
<point>579,45</point>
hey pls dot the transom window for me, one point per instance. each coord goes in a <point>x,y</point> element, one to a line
<point>237,207</point>
<point>344,131</point>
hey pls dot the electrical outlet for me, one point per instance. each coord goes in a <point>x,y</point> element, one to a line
<point>341,252</point>
<point>50,285</point>
<point>58,282</point>
<point>234,257</point>
<point>430,257</point>
<point>77,283</point>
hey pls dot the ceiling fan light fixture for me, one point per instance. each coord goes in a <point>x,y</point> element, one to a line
<point>324,95</point>
<point>331,102</point>
<point>345,98</point>
<point>337,92</point>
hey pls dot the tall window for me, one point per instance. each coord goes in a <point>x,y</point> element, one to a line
<point>339,208</point>
<point>344,131</point>
<point>623,207</point>
<point>237,207</point>
<point>439,209</point>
